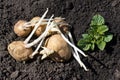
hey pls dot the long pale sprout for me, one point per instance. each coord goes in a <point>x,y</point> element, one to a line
<point>73,45</point>
<point>41,37</point>
<point>35,28</point>
<point>75,54</point>
<point>79,60</point>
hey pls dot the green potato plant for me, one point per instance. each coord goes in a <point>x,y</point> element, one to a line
<point>97,35</point>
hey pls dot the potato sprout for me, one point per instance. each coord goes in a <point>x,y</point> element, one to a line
<point>42,27</point>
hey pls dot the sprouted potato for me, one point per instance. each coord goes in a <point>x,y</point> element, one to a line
<point>21,30</point>
<point>41,28</point>
<point>18,49</point>
<point>34,20</point>
<point>62,51</point>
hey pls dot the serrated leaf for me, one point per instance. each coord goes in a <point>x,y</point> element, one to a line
<point>81,43</point>
<point>97,20</point>
<point>101,29</point>
<point>108,38</point>
<point>87,47</point>
<point>85,35</point>
<point>101,45</point>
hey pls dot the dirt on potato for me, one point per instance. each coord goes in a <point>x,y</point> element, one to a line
<point>103,65</point>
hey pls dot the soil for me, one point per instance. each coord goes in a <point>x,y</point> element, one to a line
<point>103,65</point>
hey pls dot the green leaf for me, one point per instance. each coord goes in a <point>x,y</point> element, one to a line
<point>92,47</point>
<point>101,29</point>
<point>108,38</point>
<point>87,47</point>
<point>81,43</point>
<point>96,36</point>
<point>85,35</point>
<point>97,20</point>
<point>101,45</point>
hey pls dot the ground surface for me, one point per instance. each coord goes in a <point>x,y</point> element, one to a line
<point>103,65</point>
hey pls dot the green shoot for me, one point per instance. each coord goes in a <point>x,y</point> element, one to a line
<point>97,35</point>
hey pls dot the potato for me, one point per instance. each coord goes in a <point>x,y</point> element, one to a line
<point>61,48</point>
<point>41,28</point>
<point>34,20</point>
<point>20,29</point>
<point>18,51</point>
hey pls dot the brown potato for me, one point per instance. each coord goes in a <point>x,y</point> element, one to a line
<point>21,30</point>
<point>18,51</point>
<point>41,28</point>
<point>60,46</point>
<point>34,20</point>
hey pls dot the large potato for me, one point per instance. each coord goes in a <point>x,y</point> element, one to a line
<point>41,28</point>
<point>60,46</point>
<point>18,51</point>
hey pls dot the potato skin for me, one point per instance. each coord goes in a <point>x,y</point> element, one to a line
<point>19,30</point>
<point>34,20</point>
<point>60,46</point>
<point>41,28</point>
<point>18,51</point>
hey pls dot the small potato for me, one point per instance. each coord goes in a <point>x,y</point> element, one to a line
<point>60,46</point>
<point>18,51</point>
<point>41,28</point>
<point>34,20</point>
<point>21,30</point>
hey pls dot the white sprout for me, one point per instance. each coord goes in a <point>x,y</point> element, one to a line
<point>35,28</point>
<point>75,54</point>
<point>29,24</point>
<point>46,52</point>
<point>39,38</point>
